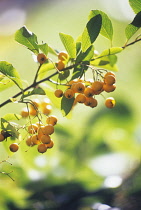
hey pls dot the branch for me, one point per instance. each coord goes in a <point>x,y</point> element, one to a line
<point>131,43</point>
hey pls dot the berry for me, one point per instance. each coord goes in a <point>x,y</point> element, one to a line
<point>109,88</point>
<point>110,102</point>
<point>41,58</point>
<point>69,93</point>
<point>40,132</point>
<point>79,87</point>
<point>48,129</point>
<point>62,56</point>
<point>50,145</point>
<point>47,109</point>
<point>29,142</point>
<point>14,147</point>
<point>52,120</point>
<point>109,73</point>
<point>42,148</point>
<point>97,86</point>
<point>35,140</point>
<point>45,139</point>
<point>110,80</point>
<point>1,137</point>
<point>32,129</point>
<point>80,98</point>
<point>25,112</point>
<point>60,65</point>
<point>92,102</point>
<point>58,93</point>
<point>88,92</point>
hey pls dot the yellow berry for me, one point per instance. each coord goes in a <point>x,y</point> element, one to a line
<point>63,55</point>
<point>47,109</point>
<point>25,112</point>
<point>60,65</point>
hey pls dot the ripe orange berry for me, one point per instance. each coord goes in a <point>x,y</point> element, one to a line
<point>25,112</point>
<point>14,147</point>
<point>109,80</point>
<point>32,129</point>
<point>42,148</point>
<point>88,92</point>
<point>35,140</point>
<point>97,86</point>
<point>41,58</point>
<point>110,102</point>
<point>63,55</point>
<point>80,98</point>
<point>109,88</point>
<point>69,93</point>
<point>46,101</point>
<point>1,137</point>
<point>109,73</point>
<point>33,111</point>
<point>79,87</point>
<point>45,139</point>
<point>40,132</point>
<point>60,65</point>
<point>52,120</point>
<point>58,93</point>
<point>29,142</point>
<point>50,145</point>
<point>92,102</point>
<point>47,109</point>
<point>48,129</point>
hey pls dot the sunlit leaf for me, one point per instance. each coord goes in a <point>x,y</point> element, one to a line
<point>79,70</point>
<point>111,51</point>
<point>44,69</point>
<point>136,5</point>
<point>28,39</point>
<point>91,32</point>
<point>66,105</point>
<point>69,44</point>
<point>44,48</point>
<point>10,128</point>
<point>107,28</point>
<point>108,62</point>
<point>5,83</point>
<point>9,71</point>
<point>35,91</point>
<point>52,51</point>
<point>11,117</point>
<point>85,56</point>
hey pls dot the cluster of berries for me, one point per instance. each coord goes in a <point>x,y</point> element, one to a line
<point>36,105</point>
<point>85,91</point>
<point>3,136</point>
<point>40,134</point>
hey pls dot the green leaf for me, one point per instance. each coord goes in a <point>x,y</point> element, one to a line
<point>91,32</point>
<point>44,69</point>
<point>132,28</point>
<point>111,51</point>
<point>64,75</point>
<point>66,105</point>
<point>136,5</point>
<point>107,62</point>
<point>69,44</point>
<point>5,83</point>
<point>79,70</point>
<point>11,117</point>
<point>9,71</point>
<point>107,28</point>
<point>28,39</point>
<point>52,51</point>
<point>85,56</point>
<point>10,128</point>
<point>44,48</point>
<point>35,91</point>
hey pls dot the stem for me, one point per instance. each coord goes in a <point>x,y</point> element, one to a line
<point>131,43</point>
<point>35,83</point>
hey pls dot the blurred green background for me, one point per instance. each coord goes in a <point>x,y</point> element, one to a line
<point>97,150</point>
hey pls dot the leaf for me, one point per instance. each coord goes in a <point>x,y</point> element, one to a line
<point>64,75</point>
<point>11,117</point>
<point>111,51</point>
<point>9,71</point>
<point>28,39</point>
<point>52,51</point>
<point>35,91</point>
<point>79,70</point>
<point>44,69</point>
<point>5,83</point>
<point>11,129</point>
<point>44,48</point>
<point>66,105</point>
<point>91,32</point>
<point>107,28</point>
<point>107,62</point>
<point>132,28</point>
<point>69,44</point>
<point>136,5</point>
<point>85,56</point>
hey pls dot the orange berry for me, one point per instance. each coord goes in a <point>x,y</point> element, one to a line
<point>45,102</point>
<point>1,137</point>
<point>14,147</point>
<point>109,73</point>
<point>52,120</point>
<point>33,112</point>
<point>60,65</point>
<point>92,102</point>
<point>110,80</point>
<point>25,112</point>
<point>79,87</point>
<point>48,129</point>
<point>58,93</point>
<point>80,98</point>
<point>63,55</point>
<point>40,132</point>
<point>109,88</point>
<point>50,145</point>
<point>88,92</point>
<point>35,140</point>
<point>41,58</point>
<point>97,86</point>
<point>69,93</point>
<point>45,139</point>
<point>47,109</point>
<point>32,129</point>
<point>110,102</point>
<point>29,142</point>
<point>42,148</point>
